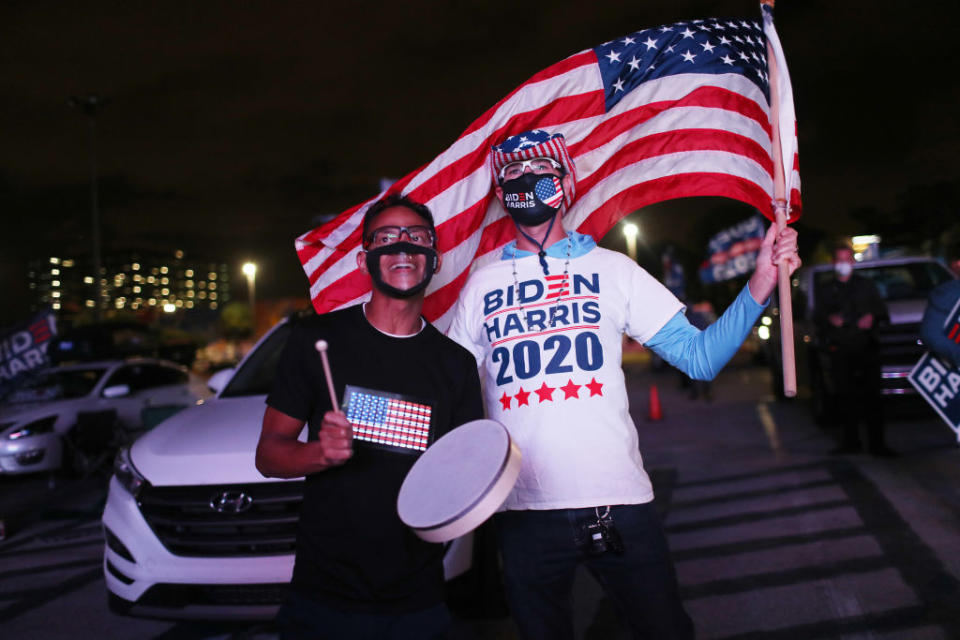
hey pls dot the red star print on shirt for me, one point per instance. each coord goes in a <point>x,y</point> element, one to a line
<point>523,397</point>
<point>545,392</point>
<point>571,390</point>
<point>505,401</point>
<point>596,388</point>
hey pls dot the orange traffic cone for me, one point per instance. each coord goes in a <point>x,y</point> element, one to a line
<point>655,412</point>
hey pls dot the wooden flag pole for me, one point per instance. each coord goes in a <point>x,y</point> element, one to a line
<point>781,210</point>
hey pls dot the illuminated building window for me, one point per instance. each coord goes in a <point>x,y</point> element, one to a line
<point>90,303</point>
<point>151,279</point>
<point>136,289</point>
<point>189,304</point>
<point>213,286</point>
<point>56,305</point>
<point>213,296</point>
<point>213,305</point>
<point>190,293</point>
<point>178,254</point>
<point>55,294</point>
<point>163,270</point>
<point>164,280</point>
<point>154,271</point>
<point>54,260</point>
<point>202,284</point>
<point>138,278</point>
<point>54,272</point>
<point>164,291</point>
<point>152,302</point>
<point>189,273</point>
<point>67,263</point>
<point>135,266</point>
<point>55,283</point>
<point>179,303</point>
<point>212,275</point>
<point>202,295</point>
<point>88,280</point>
<point>189,284</point>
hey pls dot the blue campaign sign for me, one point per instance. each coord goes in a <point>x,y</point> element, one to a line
<point>733,251</point>
<point>939,384</point>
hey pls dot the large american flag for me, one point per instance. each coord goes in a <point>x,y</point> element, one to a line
<point>675,111</point>
<point>388,419</point>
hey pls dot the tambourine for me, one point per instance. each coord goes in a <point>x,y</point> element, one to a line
<point>459,481</point>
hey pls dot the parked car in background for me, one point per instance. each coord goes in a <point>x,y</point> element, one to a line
<point>118,340</point>
<point>903,282</point>
<point>68,416</point>
<point>192,529</point>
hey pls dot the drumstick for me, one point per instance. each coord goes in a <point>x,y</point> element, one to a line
<point>321,347</point>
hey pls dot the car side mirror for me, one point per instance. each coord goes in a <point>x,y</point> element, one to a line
<point>116,391</point>
<point>219,380</point>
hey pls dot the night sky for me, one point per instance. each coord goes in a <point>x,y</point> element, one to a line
<point>230,127</point>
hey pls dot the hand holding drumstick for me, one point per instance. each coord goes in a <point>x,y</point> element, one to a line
<point>336,434</point>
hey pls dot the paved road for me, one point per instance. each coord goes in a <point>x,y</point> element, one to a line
<point>772,537</point>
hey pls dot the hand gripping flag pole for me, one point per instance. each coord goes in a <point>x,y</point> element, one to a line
<point>782,118</point>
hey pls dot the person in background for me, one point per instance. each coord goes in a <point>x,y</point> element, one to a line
<point>849,311</point>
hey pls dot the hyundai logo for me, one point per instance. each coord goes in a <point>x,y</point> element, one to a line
<point>231,502</point>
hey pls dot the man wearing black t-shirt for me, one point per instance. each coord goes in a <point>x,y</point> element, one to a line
<point>359,572</point>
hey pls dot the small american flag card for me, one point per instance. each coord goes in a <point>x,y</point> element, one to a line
<point>388,420</point>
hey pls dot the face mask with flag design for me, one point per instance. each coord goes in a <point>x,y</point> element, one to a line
<point>532,199</point>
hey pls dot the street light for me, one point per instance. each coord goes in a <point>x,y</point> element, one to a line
<point>88,106</point>
<point>250,270</point>
<point>630,232</point>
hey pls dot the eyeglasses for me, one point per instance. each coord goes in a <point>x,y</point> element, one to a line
<point>417,234</point>
<point>537,165</point>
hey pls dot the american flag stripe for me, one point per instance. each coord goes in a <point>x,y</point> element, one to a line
<point>368,426</point>
<point>384,419</point>
<point>702,132</point>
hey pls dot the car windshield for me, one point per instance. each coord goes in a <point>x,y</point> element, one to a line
<point>900,281</point>
<point>255,376</point>
<point>55,384</point>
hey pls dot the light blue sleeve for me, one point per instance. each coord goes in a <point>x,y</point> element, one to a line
<point>702,354</point>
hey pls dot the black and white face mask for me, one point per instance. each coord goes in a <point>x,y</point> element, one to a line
<point>373,266</point>
<point>532,199</point>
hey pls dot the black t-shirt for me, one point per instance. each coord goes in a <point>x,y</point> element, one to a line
<point>852,299</point>
<point>352,549</point>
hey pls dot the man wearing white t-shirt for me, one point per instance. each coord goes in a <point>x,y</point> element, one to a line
<point>545,323</point>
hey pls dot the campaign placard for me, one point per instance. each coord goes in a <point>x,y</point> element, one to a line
<point>24,347</point>
<point>733,251</point>
<point>939,384</point>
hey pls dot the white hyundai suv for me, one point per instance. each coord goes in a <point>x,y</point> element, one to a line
<point>192,529</point>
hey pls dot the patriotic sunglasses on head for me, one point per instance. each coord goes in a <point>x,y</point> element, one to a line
<point>417,234</point>
<point>537,165</point>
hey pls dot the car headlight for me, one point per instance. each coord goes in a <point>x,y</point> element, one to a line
<point>43,425</point>
<point>127,474</point>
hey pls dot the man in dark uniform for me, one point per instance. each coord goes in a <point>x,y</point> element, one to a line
<point>849,310</point>
<point>359,572</point>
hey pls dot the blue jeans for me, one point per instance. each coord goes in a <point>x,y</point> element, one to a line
<point>302,618</point>
<point>541,551</point>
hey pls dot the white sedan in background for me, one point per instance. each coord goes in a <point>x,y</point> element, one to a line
<point>63,416</point>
